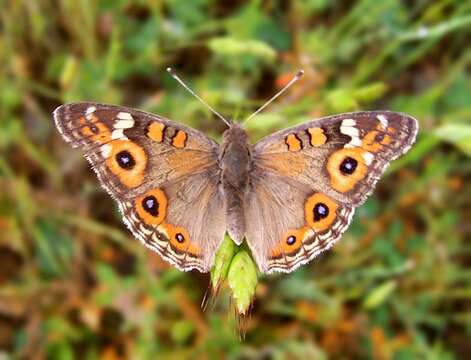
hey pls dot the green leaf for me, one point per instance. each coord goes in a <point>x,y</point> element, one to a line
<point>242,278</point>
<point>370,92</point>
<point>379,294</point>
<point>457,134</point>
<point>222,262</point>
<point>341,100</point>
<point>232,47</point>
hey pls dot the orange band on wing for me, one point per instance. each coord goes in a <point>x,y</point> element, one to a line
<point>345,182</point>
<point>155,131</point>
<point>152,207</point>
<point>294,144</point>
<point>320,211</point>
<point>317,136</point>
<point>180,239</point>
<point>179,139</point>
<point>131,177</point>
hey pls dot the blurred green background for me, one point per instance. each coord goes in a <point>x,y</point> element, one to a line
<point>73,282</point>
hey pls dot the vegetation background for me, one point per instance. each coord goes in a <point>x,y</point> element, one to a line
<point>73,282</point>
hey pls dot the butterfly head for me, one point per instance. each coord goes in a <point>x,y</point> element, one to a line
<point>235,133</point>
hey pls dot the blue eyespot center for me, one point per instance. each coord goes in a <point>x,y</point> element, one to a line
<point>321,211</point>
<point>151,205</point>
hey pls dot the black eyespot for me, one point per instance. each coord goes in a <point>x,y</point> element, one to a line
<point>93,129</point>
<point>379,137</point>
<point>151,205</point>
<point>291,240</point>
<point>348,165</point>
<point>125,160</point>
<point>180,238</point>
<point>321,211</point>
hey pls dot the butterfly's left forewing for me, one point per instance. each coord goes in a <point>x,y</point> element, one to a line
<point>309,179</point>
<point>163,175</point>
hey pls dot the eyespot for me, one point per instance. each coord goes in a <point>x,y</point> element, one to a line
<point>127,161</point>
<point>374,141</point>
<point>346,167</point>
<point>152,207</point>
<point>180,239</point>
<point>320,211</point>
<point>291,242</point>
<point>95,130</point>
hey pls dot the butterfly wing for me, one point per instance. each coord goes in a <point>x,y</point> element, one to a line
<point>163,175</point>
<point>307,181</point>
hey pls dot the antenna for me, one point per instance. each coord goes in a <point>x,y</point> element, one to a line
<point>295,78</point>
<point>176,77</point>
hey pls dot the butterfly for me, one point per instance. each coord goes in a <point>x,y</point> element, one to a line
<point>290,196</point>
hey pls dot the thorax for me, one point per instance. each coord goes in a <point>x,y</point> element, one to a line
<point>235,158</point>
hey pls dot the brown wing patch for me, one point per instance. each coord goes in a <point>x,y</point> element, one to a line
<point>285,163</point>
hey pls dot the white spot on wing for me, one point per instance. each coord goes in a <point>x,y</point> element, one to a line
<point>123,124</point>
<point>118,135</point>
<point>382,119</point>
<point>124,116</point>
<point>349,122</point>
<point>89,112</point>
<point>106,150</point>
<point>368,157</point>
<point>348,127</point>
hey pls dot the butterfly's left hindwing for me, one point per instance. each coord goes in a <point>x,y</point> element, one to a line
<point>163,175</point>
<point>325,169</point>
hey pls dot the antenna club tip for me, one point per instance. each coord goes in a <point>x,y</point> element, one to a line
<point>299,74</point>
<point>170,70</point>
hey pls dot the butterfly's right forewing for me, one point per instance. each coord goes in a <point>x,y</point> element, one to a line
<point>163,175</point>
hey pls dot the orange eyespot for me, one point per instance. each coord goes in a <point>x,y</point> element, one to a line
<point>152,207</point>
<point>374,141</point>
<point>346,167</point>
<point>98,131</point>
<point>180,239</point>
<point>293,142</point>
<point>155,131</point>
<point>122,154</point>
<point>320,211</point>
<point>290,242</point>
